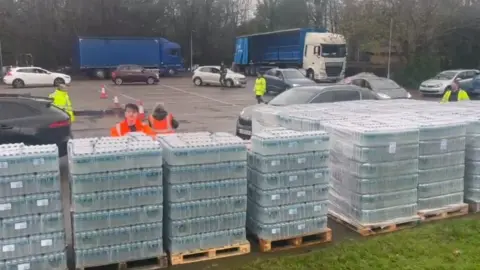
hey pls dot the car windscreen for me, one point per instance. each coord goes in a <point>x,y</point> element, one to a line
<point>292,74</point>
<point>384,84</point>
<point>446,75</point>
<point>334,50</point>
<point>293,96</point>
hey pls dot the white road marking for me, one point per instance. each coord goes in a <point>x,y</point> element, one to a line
<point>201,96</point>
<point>118,93</point>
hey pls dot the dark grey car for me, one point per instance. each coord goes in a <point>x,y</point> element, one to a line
<point>304,95</point>
<point>384,87</point>
<point>279,80</point>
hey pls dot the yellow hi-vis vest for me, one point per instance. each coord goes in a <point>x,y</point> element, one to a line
<point>462,95</point>
<point>62,101</point>
<point>260,86</point>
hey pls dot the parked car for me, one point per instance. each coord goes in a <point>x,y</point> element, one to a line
<point>443,81</point>
<point>33,120</point>
<point>34,76</point>
<point>383,87</point>
<point>304,95</point>
<point>279,80</point>
<point>210,75</point>
<point>134,74</point>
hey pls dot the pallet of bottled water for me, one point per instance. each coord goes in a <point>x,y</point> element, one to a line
<point>205,195</point>
<point>374,172</point>
<point>32,233</point>
<point>117,199</point>
<point>288,185</point>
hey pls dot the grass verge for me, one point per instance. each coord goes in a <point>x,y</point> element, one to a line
<point>446,245</point>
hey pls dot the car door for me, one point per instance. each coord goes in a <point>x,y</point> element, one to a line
<point>136,73</point>
<point>27,75</point>
<point>269,78</point>
<point>467,79</point>
<point>17,123</point>
<point>124,73</point>
<point>324,97</point>
<point>42,77</point>
<point>214,76</point>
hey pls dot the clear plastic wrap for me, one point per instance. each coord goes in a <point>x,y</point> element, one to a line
<point>205,190</point>
<point>208,207</point>
<point>205,172</point>
<point>440,188</point>
<point>32,245</point>
<point>288,195</point>
<point>441,160</point>
<point>31,224</point>
<point>283,230</point>
<point>472,181</point>
<point>440,201</point>
<point>287,213</point>
<point>447,145</point>
<point>285,141</point>
<point>118,253</point>
<point>117,236</point>
<point>206,240</point>
<point>383,153</point>
<point>185,227</point>
<point>26,159</point>
<point>30,204</point>
<point>52,261</point>
<point>186,149</point>
<point>267,181</point>
<point>29,183</point>
<point>291,162</point>
<point>441,174</point>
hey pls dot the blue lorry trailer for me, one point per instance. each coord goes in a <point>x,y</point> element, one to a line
<point>313,49</point>
<point>99,56</point>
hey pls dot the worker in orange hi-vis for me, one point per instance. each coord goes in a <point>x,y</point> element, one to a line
<point>161,121</point>
<point>131,123</point>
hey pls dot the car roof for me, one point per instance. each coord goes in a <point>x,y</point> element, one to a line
<point>326,86</point>
<point>459,70</point>
<point>13,68</point>
<point>284,69</point>
<point>208,67</point>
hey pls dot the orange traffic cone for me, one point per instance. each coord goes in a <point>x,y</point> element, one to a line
<point>141,110</point>
<point>116,103</point>
<point>103,93</point>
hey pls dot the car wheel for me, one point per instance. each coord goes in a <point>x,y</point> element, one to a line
<point>229,83</point>
<point>118,81</point>
<point>150,80</point>
<point>198,82</point>
<point>58,81</point>
<point>18,83</point>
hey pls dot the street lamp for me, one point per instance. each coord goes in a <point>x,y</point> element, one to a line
<point>390,48</point>
<point>191,50</point>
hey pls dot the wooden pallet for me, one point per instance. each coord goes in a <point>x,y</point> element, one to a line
<point>209,254</point>
<point>473,207</point>
<point>375,228</point>
<point>450,211</point>
<point>154,263</point>
<point>294,242</point>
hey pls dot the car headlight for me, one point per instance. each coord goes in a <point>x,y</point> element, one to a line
<point>384,96</point>
<point>295,85</point>
<point>409,95</point>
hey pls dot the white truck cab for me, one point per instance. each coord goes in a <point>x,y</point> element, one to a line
<point>325,56</point>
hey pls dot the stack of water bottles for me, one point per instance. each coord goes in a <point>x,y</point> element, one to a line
<point>441,161</point>
<point>287,183</point>
<point>374,170</point>
<point>472,156</point>
<point>32,233</point>
<point>205,191</point>
<point>117,199</point>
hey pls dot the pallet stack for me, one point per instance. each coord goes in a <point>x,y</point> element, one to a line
<point>205,196</point>
<point>32,233</point>
<point>117,199</point>
<point>374,168</point>
<point>288,188</point>
<point>441,167</point>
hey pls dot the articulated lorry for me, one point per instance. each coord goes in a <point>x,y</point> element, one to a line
<point>99,56</point>
<point>321,54</point>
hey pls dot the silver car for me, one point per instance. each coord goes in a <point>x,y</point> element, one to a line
<point>443,80</point>
<point>210,75</point>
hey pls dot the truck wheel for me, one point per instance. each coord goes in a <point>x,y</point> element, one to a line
<point>100,74</point>
<point>310,74</point>
<point>229,83</point>
<point>171,72</point>
<point>150,80</point>
<point>118,81</point>
<point>58,81</point>
<point>197,81</point>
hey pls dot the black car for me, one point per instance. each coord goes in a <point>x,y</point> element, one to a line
<point>33,120</point>
<point>279,80</point>
<point>384,87</point>
<point>304,95</point>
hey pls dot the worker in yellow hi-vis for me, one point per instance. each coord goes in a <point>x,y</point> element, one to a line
<point>61,99</point>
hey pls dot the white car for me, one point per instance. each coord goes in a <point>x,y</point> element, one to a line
<point>210,75</point>
<point>34,76</point>
<point>443,80</point>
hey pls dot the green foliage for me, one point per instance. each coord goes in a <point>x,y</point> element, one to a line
<point>417,70</point>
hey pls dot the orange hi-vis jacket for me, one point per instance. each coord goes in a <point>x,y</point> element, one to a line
<point>163,126</point>
<point>121,129</point>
